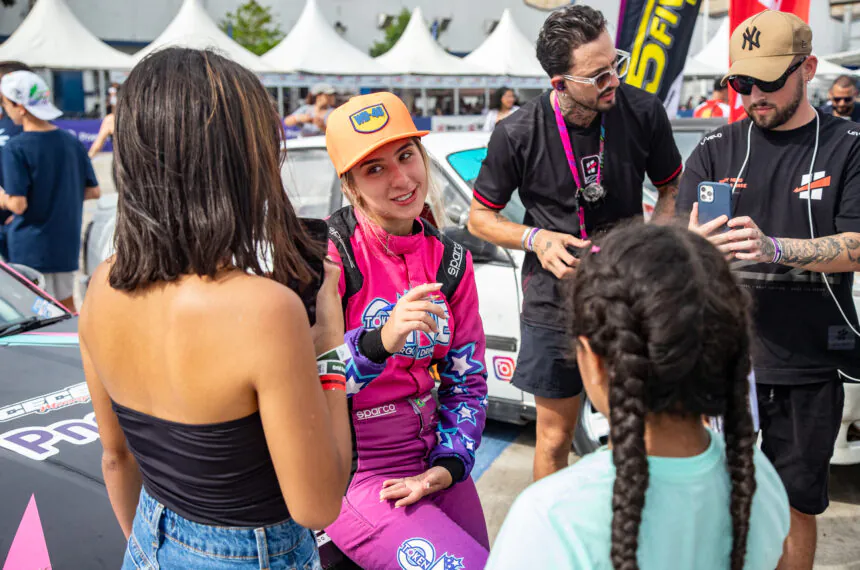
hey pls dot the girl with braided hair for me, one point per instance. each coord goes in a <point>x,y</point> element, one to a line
<point>661,335</point>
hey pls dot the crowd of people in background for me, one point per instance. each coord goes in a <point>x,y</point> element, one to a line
<point>327,419</point>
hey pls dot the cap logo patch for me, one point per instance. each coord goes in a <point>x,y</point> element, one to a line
<point>751,37</point>
<point>370,119</point>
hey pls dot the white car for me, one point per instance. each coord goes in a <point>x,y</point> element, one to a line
<point>456,158</point>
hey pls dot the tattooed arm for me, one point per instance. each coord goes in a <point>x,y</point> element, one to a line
<point>838,253</point>
<point>490,225</point>
<point>664,210</point>
<point>550,247</point>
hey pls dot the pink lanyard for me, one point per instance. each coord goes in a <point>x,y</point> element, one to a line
<point>571,162</point>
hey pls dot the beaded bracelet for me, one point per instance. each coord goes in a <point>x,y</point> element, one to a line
<point>777,252</point>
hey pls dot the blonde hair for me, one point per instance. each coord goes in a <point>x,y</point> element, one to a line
<point>434,195</point>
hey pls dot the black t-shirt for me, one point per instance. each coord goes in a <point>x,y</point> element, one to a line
<point>799,335</point>
<point>525,153</point>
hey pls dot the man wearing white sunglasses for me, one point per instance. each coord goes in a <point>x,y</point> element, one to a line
<point>578,155</point>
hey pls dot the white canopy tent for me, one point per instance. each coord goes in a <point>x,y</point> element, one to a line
<point>507,51</point>
<point>698,69</point>
<point>192,27</point>
<point>417,53</point>
<point>52,37</point>
<point>330,54</point>
<point>716,55</point>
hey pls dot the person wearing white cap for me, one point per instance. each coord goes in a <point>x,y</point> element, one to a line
<point>312,117</point>
<point>47,175</point>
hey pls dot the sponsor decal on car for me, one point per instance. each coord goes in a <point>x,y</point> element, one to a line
<point>504,367</point>
<point>40,443</point>
<point>75,394</point>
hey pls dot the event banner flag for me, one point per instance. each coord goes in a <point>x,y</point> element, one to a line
<point>657,34</point>
<point>740,10</point>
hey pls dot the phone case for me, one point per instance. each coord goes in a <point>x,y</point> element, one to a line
<point>715,200</point>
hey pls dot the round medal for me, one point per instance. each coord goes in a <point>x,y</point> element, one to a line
<point>593,192</point>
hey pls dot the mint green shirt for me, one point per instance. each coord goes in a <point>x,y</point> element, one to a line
<point>565,520</point>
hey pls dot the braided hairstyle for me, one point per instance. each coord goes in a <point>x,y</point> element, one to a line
<point>660,306</point>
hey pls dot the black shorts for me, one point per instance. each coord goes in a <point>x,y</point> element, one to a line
<point>545,366</point>
<point>799,426</point>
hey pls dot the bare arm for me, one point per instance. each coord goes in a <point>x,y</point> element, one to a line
<point>15,204</point>
<point>105,130</point>
<point>492,226</point>
<point>119,468</point>
<point>839,253</point>
<point>92,193</point>
<point>664,210</point>
<point>550,247</point>
<point>307,429</point>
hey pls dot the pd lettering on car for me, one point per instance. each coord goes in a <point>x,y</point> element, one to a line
<point>39,443</point>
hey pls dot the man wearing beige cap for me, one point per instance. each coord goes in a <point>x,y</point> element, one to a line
<point>794,242</point>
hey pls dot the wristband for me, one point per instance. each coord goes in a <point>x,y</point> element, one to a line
<point>777,252</point>
<point>525,237</point>
<point>530,245</point>
<point>332,373</point>
<point>339,353</point>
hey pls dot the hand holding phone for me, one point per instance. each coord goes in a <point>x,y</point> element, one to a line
<point>715,200</point>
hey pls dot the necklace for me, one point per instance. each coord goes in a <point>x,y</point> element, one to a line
<point>594,191</point>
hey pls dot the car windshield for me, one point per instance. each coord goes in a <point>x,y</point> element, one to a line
<point>20,303</point>
<point>467,164</point>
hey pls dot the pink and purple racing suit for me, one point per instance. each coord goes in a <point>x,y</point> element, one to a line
<point>399,430</point>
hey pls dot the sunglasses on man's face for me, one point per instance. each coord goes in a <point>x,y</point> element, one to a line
<point>744,84</point>
<point>842,99</point>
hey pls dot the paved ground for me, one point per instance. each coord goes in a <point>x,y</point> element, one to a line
<point>504,468</point>
<point>510,470</point>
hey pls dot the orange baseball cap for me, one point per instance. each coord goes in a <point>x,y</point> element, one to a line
<point>365,123</point>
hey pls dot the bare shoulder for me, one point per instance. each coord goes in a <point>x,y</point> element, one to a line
<point>241,304</point>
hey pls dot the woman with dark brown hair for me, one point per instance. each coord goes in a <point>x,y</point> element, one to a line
<point>220,441</point>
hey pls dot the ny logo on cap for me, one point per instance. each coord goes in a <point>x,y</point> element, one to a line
<point>751,37</point>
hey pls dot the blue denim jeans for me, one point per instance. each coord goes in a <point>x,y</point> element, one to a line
<point>161,539</point>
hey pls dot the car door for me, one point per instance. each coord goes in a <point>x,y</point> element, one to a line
<point>497,279</point>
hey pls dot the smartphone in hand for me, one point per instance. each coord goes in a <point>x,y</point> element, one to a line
<point>715,200</point>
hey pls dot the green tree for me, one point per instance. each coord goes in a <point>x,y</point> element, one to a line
<point>253,27</point>
<point>393,31</point>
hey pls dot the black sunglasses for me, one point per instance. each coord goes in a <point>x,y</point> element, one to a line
<point>744,84</point>
<point>842,99</point>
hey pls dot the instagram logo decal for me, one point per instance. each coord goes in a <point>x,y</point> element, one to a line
<point>504,368</point>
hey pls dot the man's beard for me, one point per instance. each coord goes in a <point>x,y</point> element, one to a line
<point>576,110</point>
<point>844,111</point>
<point>781,116</point>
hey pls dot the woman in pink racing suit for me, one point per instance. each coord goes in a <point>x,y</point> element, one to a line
<point>410,303</point>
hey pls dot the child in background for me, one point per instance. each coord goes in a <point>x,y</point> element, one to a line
<point>47,175</point>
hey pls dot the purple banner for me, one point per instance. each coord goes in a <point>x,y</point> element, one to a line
<point>85,130</point>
